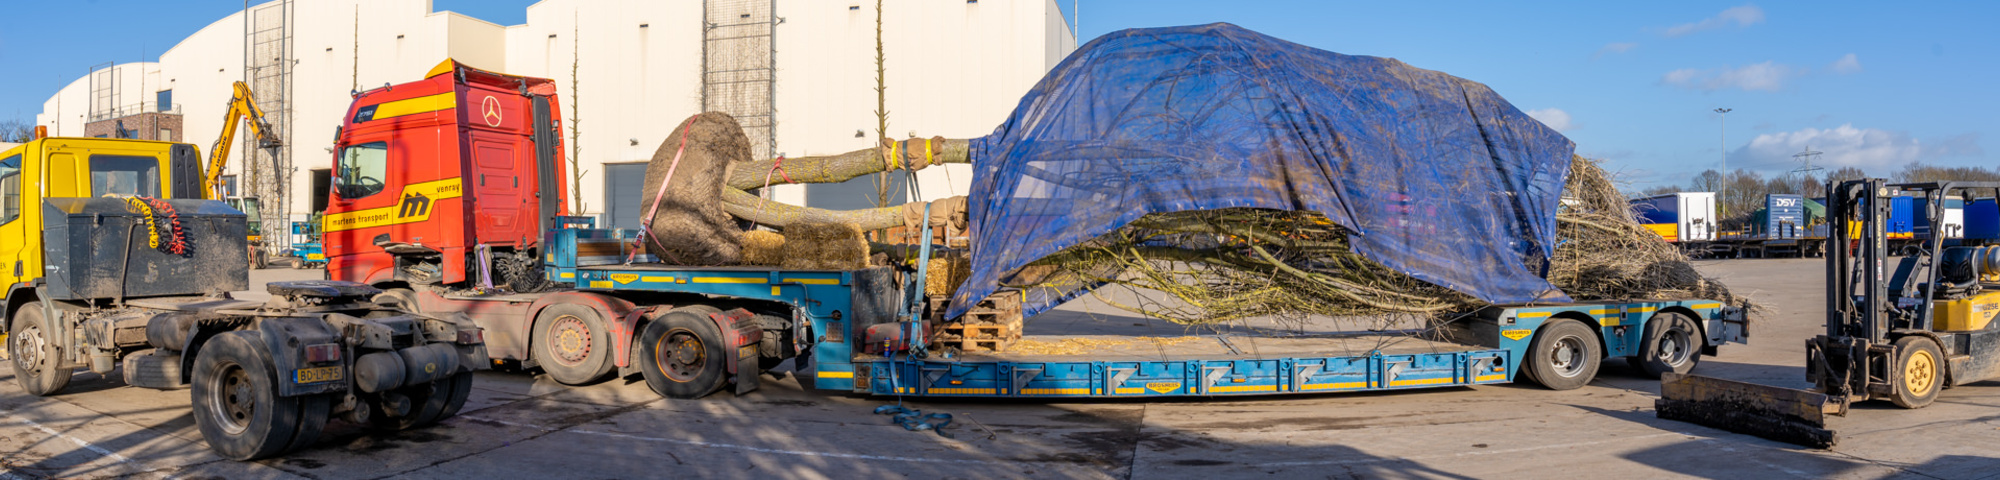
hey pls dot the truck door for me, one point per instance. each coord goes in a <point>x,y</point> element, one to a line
<point>500,189</point>
<point>13,230</point>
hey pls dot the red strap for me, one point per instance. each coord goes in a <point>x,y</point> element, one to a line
<point>646,224</point>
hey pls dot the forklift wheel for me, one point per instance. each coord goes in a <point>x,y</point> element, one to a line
<point>1564,355</point>
<point>236,402</point>
<point>35,355</point>
<point>1672,344</point>
<point>1919,372</point>
<point>682,356</point>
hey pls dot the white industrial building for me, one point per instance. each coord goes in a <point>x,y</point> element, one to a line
<point>955,68</point>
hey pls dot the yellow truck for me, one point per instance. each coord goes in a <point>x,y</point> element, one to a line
<point>112,260</point>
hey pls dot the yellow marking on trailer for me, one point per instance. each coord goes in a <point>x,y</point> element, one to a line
<point>1055,391</point>
<point>1517,334</point>
<point>1489,378</point>
<point>568,275</point>
<point>1128,390</point>
<point>624,277</point>
<point>775,291</point>
<point>836,374</point>
<point>729,280</point>
<point>962,391</point>
<point>1424,381</point>
<point>1164,387</point>
<point>1333,386</point>
<point>813,281</point>
<point>600,284</point>
<point>1610,321</point>
<point>1243,388</point>
<point>1641,309</point>
<point>1532,315</point>
<point>1603,311</point>
<point>657,279</point>
<point>1706,305</point>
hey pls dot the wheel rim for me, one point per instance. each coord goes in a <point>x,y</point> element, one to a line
<point>569,340</point>
<point>28,349</point>
<point>1567,356</point>
<point>1674,347</point>
<point>232,400</point>
<point>680,355</point>
<point>1920,373</point>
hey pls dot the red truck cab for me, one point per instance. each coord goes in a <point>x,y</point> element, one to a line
<point>427,173</point>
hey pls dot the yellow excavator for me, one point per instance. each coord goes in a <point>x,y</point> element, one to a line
<point>242,109</point>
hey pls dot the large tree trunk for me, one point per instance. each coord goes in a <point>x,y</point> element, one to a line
<point>847,166</point>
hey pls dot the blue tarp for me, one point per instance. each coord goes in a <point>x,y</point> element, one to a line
<point>1434,175</point>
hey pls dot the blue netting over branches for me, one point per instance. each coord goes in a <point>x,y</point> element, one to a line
<point>1433,175</point>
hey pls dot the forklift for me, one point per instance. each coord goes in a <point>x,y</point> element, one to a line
<point>1902,335</point>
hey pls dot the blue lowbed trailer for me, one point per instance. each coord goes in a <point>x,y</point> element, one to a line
<point>832,311</point>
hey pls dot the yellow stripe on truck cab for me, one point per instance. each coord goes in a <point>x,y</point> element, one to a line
<point>418,201</point>
<point>412,106</point>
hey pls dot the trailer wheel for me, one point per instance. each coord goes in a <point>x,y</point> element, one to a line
<point>429,403</point>
<point>1919,372</point>
<point>572,344</point>
<point>236,402</point>
<point>1673,344</point>
<point>682,356</point>
<point>37,358</point>
<point>1564,355</point>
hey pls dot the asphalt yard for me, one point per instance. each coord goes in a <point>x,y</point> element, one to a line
<point>524,426</point>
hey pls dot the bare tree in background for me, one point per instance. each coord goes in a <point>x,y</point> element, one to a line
<point>1845,174</point>
<point>16,131</point>
<point>1707,181</point>
<point>575,144</point>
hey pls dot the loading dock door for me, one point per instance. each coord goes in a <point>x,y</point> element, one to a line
<point>622,194</point>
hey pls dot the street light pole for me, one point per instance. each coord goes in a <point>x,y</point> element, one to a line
<point>1722,144</point>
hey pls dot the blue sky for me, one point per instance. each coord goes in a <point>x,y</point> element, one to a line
<point>1872,84</point>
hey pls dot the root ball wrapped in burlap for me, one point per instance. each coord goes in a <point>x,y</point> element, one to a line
<point>690,226</point>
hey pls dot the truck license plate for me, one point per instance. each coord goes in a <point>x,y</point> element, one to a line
<point>316,375</point>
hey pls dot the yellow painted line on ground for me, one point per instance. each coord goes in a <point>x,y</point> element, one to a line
<point>1426,381</point>
<point>728,280</point>
<point>1243,388</point>
<point>836,374</point>
<point>813,281</point>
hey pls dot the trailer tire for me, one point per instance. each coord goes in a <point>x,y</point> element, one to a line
<point>1672,344</point>
<point>236,402</point>
<point>37,359</point>
<point>1564,355</point>
<point>572,344</point>
<point>1919,372</point>
<point>682,356</point>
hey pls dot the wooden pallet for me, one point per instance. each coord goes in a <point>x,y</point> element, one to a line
<point>992,325</point>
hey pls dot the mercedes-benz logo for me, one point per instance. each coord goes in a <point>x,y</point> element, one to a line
<point>490,110</point>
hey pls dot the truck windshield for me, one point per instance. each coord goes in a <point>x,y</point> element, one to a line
<point>361,170</point>
<point>10,189</point>
<point>124,175</point>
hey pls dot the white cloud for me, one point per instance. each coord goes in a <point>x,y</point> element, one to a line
<point>1742,16</point>
<point>1767,76</point>
<point>1844,146</point>
<point>1553,117</point>
<point>1611,48</point>
<point>1846,65</point>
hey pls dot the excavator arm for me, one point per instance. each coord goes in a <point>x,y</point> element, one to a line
<point>242,106</point>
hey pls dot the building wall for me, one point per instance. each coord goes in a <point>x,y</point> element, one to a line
<point>144,126</point>
<point>954,69</point>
